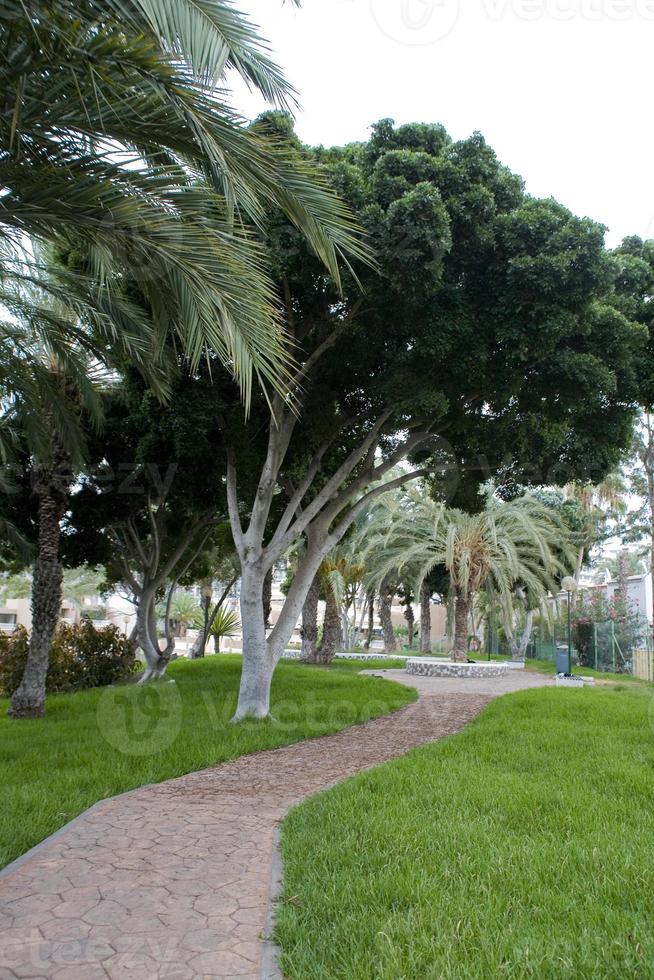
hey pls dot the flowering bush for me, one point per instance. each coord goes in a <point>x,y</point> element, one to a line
<point>81,657</point>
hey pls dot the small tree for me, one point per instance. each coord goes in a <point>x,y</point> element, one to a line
<point>225,623</point>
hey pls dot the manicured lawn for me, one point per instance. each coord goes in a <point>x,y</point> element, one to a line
<point>522,847</point>
<point>98,743</point>
<point>549,667</point>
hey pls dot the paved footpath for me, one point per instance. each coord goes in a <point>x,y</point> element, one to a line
<point>173,881</point>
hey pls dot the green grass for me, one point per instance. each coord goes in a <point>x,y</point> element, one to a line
<point>98,743</point>
<point>549,667</point>
<point>521,847</point>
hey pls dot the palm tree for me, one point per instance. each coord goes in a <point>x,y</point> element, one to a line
<point>595,500</point>
<point>118,149</point>
<point>338,578</point>
<point>182,611</point>
<point>225,623</point>
<point>507,544</point>
<point>59,348</point>
<point>115,133</point>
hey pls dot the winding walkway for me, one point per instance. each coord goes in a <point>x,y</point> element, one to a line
<point>173,881</point>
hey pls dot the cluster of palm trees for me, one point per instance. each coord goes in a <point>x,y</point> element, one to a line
<point>132,198</point>
<point>509,557</point>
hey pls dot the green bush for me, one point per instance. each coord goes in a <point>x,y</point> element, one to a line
<point>13,654</point>
<point>81,657</point>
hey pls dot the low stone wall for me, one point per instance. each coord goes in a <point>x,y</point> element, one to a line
<point>427,667</point>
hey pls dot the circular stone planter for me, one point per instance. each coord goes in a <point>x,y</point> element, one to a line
<point>428,667</point>
<point>563,681</point>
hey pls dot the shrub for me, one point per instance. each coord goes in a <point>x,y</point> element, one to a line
<point>81,657</point>
<point>13,654</point>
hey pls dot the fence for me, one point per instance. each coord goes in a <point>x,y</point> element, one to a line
<point>605,648</point>
<point>643,665</point>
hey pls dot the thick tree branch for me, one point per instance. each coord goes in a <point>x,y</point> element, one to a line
<point>327,343</point>
<point>346,521</point>
<point>279,544</point>
<point>279,437</point>
<point>232,506</point>
<point>365,478</point>
<point>197,525</point>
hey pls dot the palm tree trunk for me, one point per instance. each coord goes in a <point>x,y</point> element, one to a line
<point>310,622</point>
<point>371,619</point>
<point>425,619</point>
<point>52,489</point>
<point>331,630</point>
<point>410,623</point>
<point>385,602</point>
<point>461,617</point>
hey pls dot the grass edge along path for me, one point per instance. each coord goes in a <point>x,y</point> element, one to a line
<point>520,847</point>
<point>95,744</point>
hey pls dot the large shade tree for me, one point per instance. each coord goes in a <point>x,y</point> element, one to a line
<point>634,290</point>
<point>485,343</point>
<point>150,506</point>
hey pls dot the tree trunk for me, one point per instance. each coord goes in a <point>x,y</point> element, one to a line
<point>147,638</point>
<point>425,619</point>
<point>267,597</point>
<point>411,624</point>
<point>371,619</point>
<point>258,661</point>
<point>385,602</point>
<point>52,489</point>
<point>461,617</point>
<point>332,635</point>
<point>310,622</point>
<point>518,645</point>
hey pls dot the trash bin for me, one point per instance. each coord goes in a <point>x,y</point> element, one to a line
<point>562,660</point>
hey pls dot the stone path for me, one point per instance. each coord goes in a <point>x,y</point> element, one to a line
<point>172,881</point>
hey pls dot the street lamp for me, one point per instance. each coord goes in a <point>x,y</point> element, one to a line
<point>569,585</point>
<point>207,593</point>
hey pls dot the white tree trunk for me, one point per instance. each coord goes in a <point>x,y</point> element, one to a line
<point>146,638</point>
<point>261,655</point>
<point>518,645</point>
<point>258,662</point>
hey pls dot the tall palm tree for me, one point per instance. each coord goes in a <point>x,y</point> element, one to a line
<point>595,500</point>
<point>506,544</point>
<point>60,339</point>
<point>115,131</point>
<point>53,468</point>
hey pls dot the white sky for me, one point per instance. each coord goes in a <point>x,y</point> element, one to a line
<point>561,89</point>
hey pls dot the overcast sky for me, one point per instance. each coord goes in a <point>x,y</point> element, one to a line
<point>560,88</point>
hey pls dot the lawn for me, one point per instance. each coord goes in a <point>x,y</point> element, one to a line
<point>521,847</point>
<point>98,743</point>
<point>549,667</point>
